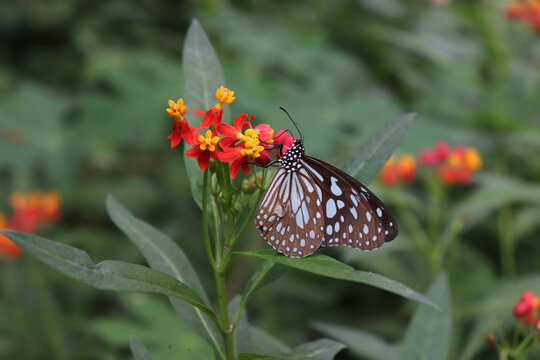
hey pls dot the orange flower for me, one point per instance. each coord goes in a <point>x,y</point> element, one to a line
<point>205,148</point>
<point>181,129</point>
<point>525,11</point>
<point>34,209</point>
<point>398,169</point>
<point>453,165</point>
<point>7,247</point>
<point>215,113</point>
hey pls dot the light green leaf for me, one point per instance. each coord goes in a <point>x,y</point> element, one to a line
<point>107,275</point>
<point>366,160</point>
<point>265,343</point>
<point>330,267</point>
<point>138,349</point>
<point>324,349</point>
<point>164,255</point>
<point>360,342</point>
<point>203,75</point>
<point>272,357</point>
<point>428,335</point>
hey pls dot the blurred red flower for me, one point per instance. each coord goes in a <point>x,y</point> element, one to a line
<point>399,169</point>
<point>527,11</point>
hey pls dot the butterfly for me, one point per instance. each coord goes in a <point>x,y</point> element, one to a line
<point>311,204</point>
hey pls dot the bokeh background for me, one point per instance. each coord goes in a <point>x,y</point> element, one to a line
<point>83,91</point>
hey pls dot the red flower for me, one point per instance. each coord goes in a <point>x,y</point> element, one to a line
<point>205,148</point>
<point>453,166</point>
<point>284,139</point>
<point>238,157</point>
<point>526,11</point>
<point>181,129</point>
<point>232,134</point>
<point>215,113</point>
<point>397,169</point>
<point>526,308</point>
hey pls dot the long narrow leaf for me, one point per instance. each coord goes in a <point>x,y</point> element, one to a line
<point>164,255</point>
<point>330,267</point>
<point>359,342</point>
<point>107,275</point>
<point>202,75</point>
<point>366,160</point>
<point>138,349</point>
<point>428,335</point>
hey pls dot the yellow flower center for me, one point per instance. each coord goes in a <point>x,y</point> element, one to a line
<point>177,109</point>
<point>208,142</point>
<point>224,96</point>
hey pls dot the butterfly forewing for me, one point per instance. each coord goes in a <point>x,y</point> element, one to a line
<point>354,216</point>
<point>289,218</point>
<point>310,204</point>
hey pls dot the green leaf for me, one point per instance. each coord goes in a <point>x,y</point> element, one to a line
<point>265,343</point>
<point>242,332</point>
<point>366,160</point>
<point>428,335</point>
<point>164,255</point>
<point>360,342</point>
<point>107,275</point>
<point>138,349</point>
<point>266,273</point>
<point>330,267</point>
<point>203,75</point>
<point>324,349</point>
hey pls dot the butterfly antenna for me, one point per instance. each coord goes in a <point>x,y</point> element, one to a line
<point>294,123</point>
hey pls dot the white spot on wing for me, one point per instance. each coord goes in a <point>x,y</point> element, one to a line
<point>331,208</point>
<point>336,190</point>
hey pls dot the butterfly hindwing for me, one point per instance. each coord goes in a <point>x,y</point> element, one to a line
<point>354,216</point>
<point>290,215</point>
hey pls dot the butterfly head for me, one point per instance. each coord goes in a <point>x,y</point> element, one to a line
<point>290,161</point>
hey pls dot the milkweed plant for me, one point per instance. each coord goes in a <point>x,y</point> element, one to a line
<point>216,154</point>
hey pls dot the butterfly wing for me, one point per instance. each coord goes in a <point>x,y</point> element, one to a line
<point>290,216</point>
<point>353,215</point>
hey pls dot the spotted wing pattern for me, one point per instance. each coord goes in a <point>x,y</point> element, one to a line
<point>310,204</point>
<point>353,215</point>
<point>290,216</point>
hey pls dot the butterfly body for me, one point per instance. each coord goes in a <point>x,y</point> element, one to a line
<point>311,204</point>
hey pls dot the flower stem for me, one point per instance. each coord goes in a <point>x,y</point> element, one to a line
<point>206,235</point>
<point>226,328</point>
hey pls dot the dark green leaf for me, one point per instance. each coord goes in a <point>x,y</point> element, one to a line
<point>138,349</point>
<point>366,160</point>
<point>203,75</point>
<point>360,342</point>
<point>330,267</point>
<point>428,335</point>
<point>164,255</point>
<point>324,349</point>
<point>265,274</point>
<point>107,275</point>
<point>265,343</point>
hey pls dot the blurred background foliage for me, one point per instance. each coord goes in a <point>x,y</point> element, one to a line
<point>83,89</point>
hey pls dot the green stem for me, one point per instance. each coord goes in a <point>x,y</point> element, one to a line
<point>206,235</point>
<point>226,328</point>
<point>506,241</point>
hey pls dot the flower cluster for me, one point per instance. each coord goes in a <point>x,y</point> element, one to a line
<point>527,11</point>
<point>527,309</point>
<point>238,144</point>
<point>399,168</point>
<point>453,165</point>
<point>29,212</point>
